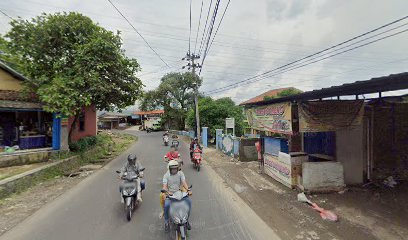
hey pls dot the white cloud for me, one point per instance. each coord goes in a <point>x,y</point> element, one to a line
<point>255,36</point>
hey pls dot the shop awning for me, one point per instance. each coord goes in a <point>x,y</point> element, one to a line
<point>6,105</point>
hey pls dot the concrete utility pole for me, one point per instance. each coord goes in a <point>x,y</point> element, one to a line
<point>192,65</point>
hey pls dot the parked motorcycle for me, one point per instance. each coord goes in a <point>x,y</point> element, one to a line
<point>129,192</point>
<point>178,213</point>
<point>197,158</point>
<point>166,140</point>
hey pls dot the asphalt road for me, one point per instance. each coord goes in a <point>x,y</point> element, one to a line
<point>92,209</point>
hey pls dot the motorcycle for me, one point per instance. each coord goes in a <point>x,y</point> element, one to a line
<point>197,159</point>
<point>175,143</point>
<point>166,140</point>
<point>178,213</point>
<point>178,159</point>
<point>129,192</point>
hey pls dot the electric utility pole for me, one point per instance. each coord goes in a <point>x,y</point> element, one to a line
<point>192,65</point>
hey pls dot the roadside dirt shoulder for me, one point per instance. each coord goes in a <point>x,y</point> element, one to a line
<point>17,207</point>
<point>277,205</point>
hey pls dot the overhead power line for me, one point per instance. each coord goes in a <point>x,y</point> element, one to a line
<point>5,14</point>
<point>317,53</point>
<point>216,31</point>
<point>253,79</point>
<point>189,36</point>
<point>137,32</point>
<point>205,28</point>
<point>209,32</point>
<point>199,23</point>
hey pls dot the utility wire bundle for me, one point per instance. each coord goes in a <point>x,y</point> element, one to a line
<point>383,32</point>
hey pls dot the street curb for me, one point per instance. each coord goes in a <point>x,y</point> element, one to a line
<point>20,182</point>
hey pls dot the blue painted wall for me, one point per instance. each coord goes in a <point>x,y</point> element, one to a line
<point>273,145</point>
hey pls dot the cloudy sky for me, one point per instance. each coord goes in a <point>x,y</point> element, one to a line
<point>254,37</point>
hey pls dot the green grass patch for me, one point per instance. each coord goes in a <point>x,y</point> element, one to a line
<point>105,147</point>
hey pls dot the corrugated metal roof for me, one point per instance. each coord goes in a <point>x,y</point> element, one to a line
<point>261,98</point>
<point>149,112</point>
<point>392,82</point>
<point>20,105</point>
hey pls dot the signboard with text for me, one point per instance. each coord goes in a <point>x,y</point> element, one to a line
<point>284,168</point>
<point>273,118</point>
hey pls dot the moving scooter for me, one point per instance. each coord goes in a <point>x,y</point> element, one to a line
<point>166,140</point>
<point>178,213</point>
<point>197,158</point>
<point>178,159</point>
<point>129,191</point>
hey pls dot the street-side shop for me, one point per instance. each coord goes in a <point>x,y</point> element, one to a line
<point>112,120</point>
<point>323,139</point>
<point>24,125</point>
<point>151,119</point>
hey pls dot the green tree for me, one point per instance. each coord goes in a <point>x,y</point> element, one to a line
<point>175,95</point>
<point>214,112</point>
<point>72,62</point>
<point>8,58</point>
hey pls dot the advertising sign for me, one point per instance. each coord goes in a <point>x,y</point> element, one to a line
<point>273,118</point>
<point>284,168</point>
<point>330,116</point>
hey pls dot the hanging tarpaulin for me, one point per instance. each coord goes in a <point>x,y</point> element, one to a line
<point>331,115</point>
<point>273,118</point>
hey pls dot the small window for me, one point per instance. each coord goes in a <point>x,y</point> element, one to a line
<point>82,121</point>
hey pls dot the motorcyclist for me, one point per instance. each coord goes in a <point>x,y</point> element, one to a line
<point>173,155</point>
<point>132,166</point>
<point>166,134</point>
<point>193,144</point>
<point>174,142</point>
<point>173,181</point>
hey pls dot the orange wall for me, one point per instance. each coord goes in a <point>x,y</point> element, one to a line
<point>90,124</point>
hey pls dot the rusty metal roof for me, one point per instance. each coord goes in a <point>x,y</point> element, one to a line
<point>261,98</point>
<point>392,82</point>
<point>18,105</point>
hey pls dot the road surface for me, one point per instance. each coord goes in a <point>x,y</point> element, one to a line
<point>92,209</point>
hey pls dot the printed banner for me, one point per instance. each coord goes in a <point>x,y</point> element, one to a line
<point>283,168</point>
<point>273,118</point>
<point>328,116</point>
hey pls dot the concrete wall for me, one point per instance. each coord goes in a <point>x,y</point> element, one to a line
<point>390,139</point>
<point>322,176</point>
<point>23,158</point>
<point>90,124</point>
<point>247,150</point>
<point>8,82</point>
<point>350,147</point>
<point>21,182</point>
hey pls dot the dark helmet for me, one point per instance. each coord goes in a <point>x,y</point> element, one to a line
<point>132,159</point>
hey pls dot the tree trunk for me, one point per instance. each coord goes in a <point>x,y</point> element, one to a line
<point>73,126</point>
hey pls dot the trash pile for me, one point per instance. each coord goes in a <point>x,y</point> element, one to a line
<point>325,214</point>
<point>11,149</point>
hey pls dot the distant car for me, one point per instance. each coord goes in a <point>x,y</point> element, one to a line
<point>156,127</point>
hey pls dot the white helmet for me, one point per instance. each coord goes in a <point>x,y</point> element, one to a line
<point>173,164</point>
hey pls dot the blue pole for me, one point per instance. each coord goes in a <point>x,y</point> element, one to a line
<point>56,131</point>
<point>204,136</point>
